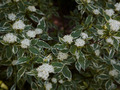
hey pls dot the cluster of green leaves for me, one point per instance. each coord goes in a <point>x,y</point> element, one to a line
<point>88,71</point>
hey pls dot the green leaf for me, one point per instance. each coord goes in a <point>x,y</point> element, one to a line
<point>54,51</point>
<point>13,87</point>
<point>76,33</point>
<point>15,49</point>
<point>34,18</point>
<point>66,72</point>
<point>43,44</point>
<point>116,66</point>
<point>39,60</point>
<point>34,86</point>
<point>78,66</point>
<point>73,49</point>
<point>20,53</point>
<point>9,71</point>
<point>34,50</point>
<point>8,52</point>
<point>111,53</point>
<point>116,44</point>
<point>32,73</point>
<point>103,76</point>
<point>82,60</point>
<point>41,24</point>
<point>34,41</point>
<point>88,19</point>
<point>106,17</point>
<point>67,83</point>
<point>20,73</point>
<point>69,61</point>
<point>109,85</point>
<point>22,60</point>
<point>57,66</point>
<point>60,46</point>
<point>21,6</point>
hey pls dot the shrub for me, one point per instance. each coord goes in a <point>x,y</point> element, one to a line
<point>82,55</point>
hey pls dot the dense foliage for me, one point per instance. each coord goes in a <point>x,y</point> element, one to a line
<point>39,54</point>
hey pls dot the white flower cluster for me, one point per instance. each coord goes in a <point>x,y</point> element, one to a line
<point>109,40</point>
<point>48,86</point>
<point>68,39</point>
<point>10,38</point>
<point>61,56</point>
<point>61,81</point>
<point>44,70</point>
<point>117,6</point>
<point>79,42</point>
<point>84,35</point>
<point>14,62</point>
<point>12,16</point>
<point>100,32</point>
<point>19,25</point>
<point>38,31</point>
<point>54,80</point>
<point>113,72</point>
<point>32,33</point>
<point>32,8</point>
<point>114,25</point>
<point>97,52</point>
<point>96,11</point>
<point>109,12</point>
<point>25,43</point>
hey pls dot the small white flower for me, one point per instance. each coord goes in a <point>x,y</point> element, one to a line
<point>25,43</point>
<point>97,52</point>
<point>10,38</point>
<point>19,25</point>
<point>68,39</point>
<point>12,16</point>
<point>109,40</point>
<point>43,74</point>
<point>61,81</point>
<point>96,11</point>
<point>16,0</point>
<point>79,42</point>
<point>100,32</point>
<point>113,72</point>
<point>117,6</point>
<point>84,35</point>
<point>114,25</point>
<point>44,70</point>
<point>61,56</point>
<point>109,12</point>
<point>48,58</point>
<point>14,62</point>
<point>88,1</point>
<point>31,34</point>
<point>38,31</point>
<point>54,80</point>
<point>48,86</point>
<point>32,8</point>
